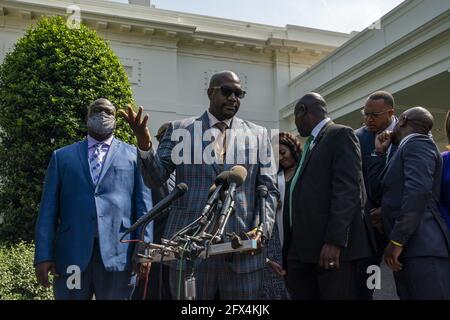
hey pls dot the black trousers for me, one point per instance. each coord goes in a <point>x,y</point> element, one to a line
<point>308,281</point>
<point>423,278</point>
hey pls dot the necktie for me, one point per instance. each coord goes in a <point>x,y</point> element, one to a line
<point>171,182</point>
<point>96,161</point>
<point>220,146</point>
<point>297,172</point>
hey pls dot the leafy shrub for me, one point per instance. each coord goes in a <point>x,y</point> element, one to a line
<point>17,277</point>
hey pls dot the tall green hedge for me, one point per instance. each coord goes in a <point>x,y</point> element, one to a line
<point>46,83</point>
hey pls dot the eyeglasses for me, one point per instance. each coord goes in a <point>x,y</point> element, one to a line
<point>373,115</point>
<point>228,91</point>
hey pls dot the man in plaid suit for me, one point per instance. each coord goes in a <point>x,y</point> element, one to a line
<point>230,276</point>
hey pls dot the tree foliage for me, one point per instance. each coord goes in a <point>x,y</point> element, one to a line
<point>46,83</point>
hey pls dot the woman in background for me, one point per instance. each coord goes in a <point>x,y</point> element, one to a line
<point>289,155</point>
<point>445,184</point>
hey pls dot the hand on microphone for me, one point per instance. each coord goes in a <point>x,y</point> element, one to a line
<point>255,234</point>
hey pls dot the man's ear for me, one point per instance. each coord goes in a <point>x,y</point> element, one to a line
<point>402,121</point>
<point>300,109</point>
<point>209,92</point>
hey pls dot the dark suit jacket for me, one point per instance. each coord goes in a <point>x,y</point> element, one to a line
<point>328,199</point>
<point>367,143</point>
<point>409,186</point>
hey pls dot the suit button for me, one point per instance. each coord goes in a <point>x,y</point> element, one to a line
<point>96,194</point>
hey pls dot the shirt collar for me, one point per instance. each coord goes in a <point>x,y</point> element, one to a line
<point>318,127</point>
<point>213,120</point>
<point>92,141</point>
<point>392,125</point>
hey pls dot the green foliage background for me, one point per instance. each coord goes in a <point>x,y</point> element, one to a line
<point>17,278</point>
<point>46,83</point>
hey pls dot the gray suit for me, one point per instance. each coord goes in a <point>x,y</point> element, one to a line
<point>410,186</point>
<point>237,275</point>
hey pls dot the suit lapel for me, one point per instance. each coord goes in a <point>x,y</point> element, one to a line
<point>112,152</point>
<point>206,126</point>
<point>237,126</point>
<point>83,155</point>
<point>311,151</point>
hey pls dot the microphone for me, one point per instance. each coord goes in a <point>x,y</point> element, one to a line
<point>158,209</point>
<point>237,176</point>
<point>220,183</point>
<point>262,193</point>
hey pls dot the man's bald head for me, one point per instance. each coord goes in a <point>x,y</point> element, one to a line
<point>225,94</point>
<point>309,111</point>
<point>315,102</point>
<point>414,120</point>
<point>219,78</point>
<point>103,104</point>
<point>420,119</point>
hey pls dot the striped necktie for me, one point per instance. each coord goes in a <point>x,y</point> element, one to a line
<point>306,150</point>
<point>171,182</point>
<point>96,161</point>
<point>221,145</point>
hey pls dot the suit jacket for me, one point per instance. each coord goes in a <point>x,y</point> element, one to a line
<point>445,188</point>
<point>71,204</point>
<point>367,143</point>
<point>409,186</point>
<point>199,177</point>
<point>328,199</point>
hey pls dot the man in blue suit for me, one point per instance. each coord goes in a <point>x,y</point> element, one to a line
<point>409,186</point>
<point>93,192</point>
<point>230,276</point>
<point>378,113</point>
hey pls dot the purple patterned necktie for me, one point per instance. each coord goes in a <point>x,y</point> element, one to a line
<point>96,161</point>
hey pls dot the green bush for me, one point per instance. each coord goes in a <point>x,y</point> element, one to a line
<point>17,278</point>
<point>46,82</point>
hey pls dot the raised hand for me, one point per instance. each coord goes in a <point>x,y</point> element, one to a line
<point>139,127</point>
<point>383,141</point>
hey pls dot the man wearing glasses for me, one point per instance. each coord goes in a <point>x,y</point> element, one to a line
<point>378,115</point>
<point>232,276</point>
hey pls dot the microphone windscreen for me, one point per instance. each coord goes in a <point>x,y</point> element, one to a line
<point>222,178</point>
<point>237,175</point>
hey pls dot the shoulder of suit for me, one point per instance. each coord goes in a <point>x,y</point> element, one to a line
<point>418,142</point>
<point>69,148</point>
<point>250,125</point>
<point>361,131</point>
<point>338,128</point>
<point>184,123</point>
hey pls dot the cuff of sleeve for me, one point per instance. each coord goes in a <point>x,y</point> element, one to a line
<point>395,243</point>
<point>144,154</point>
